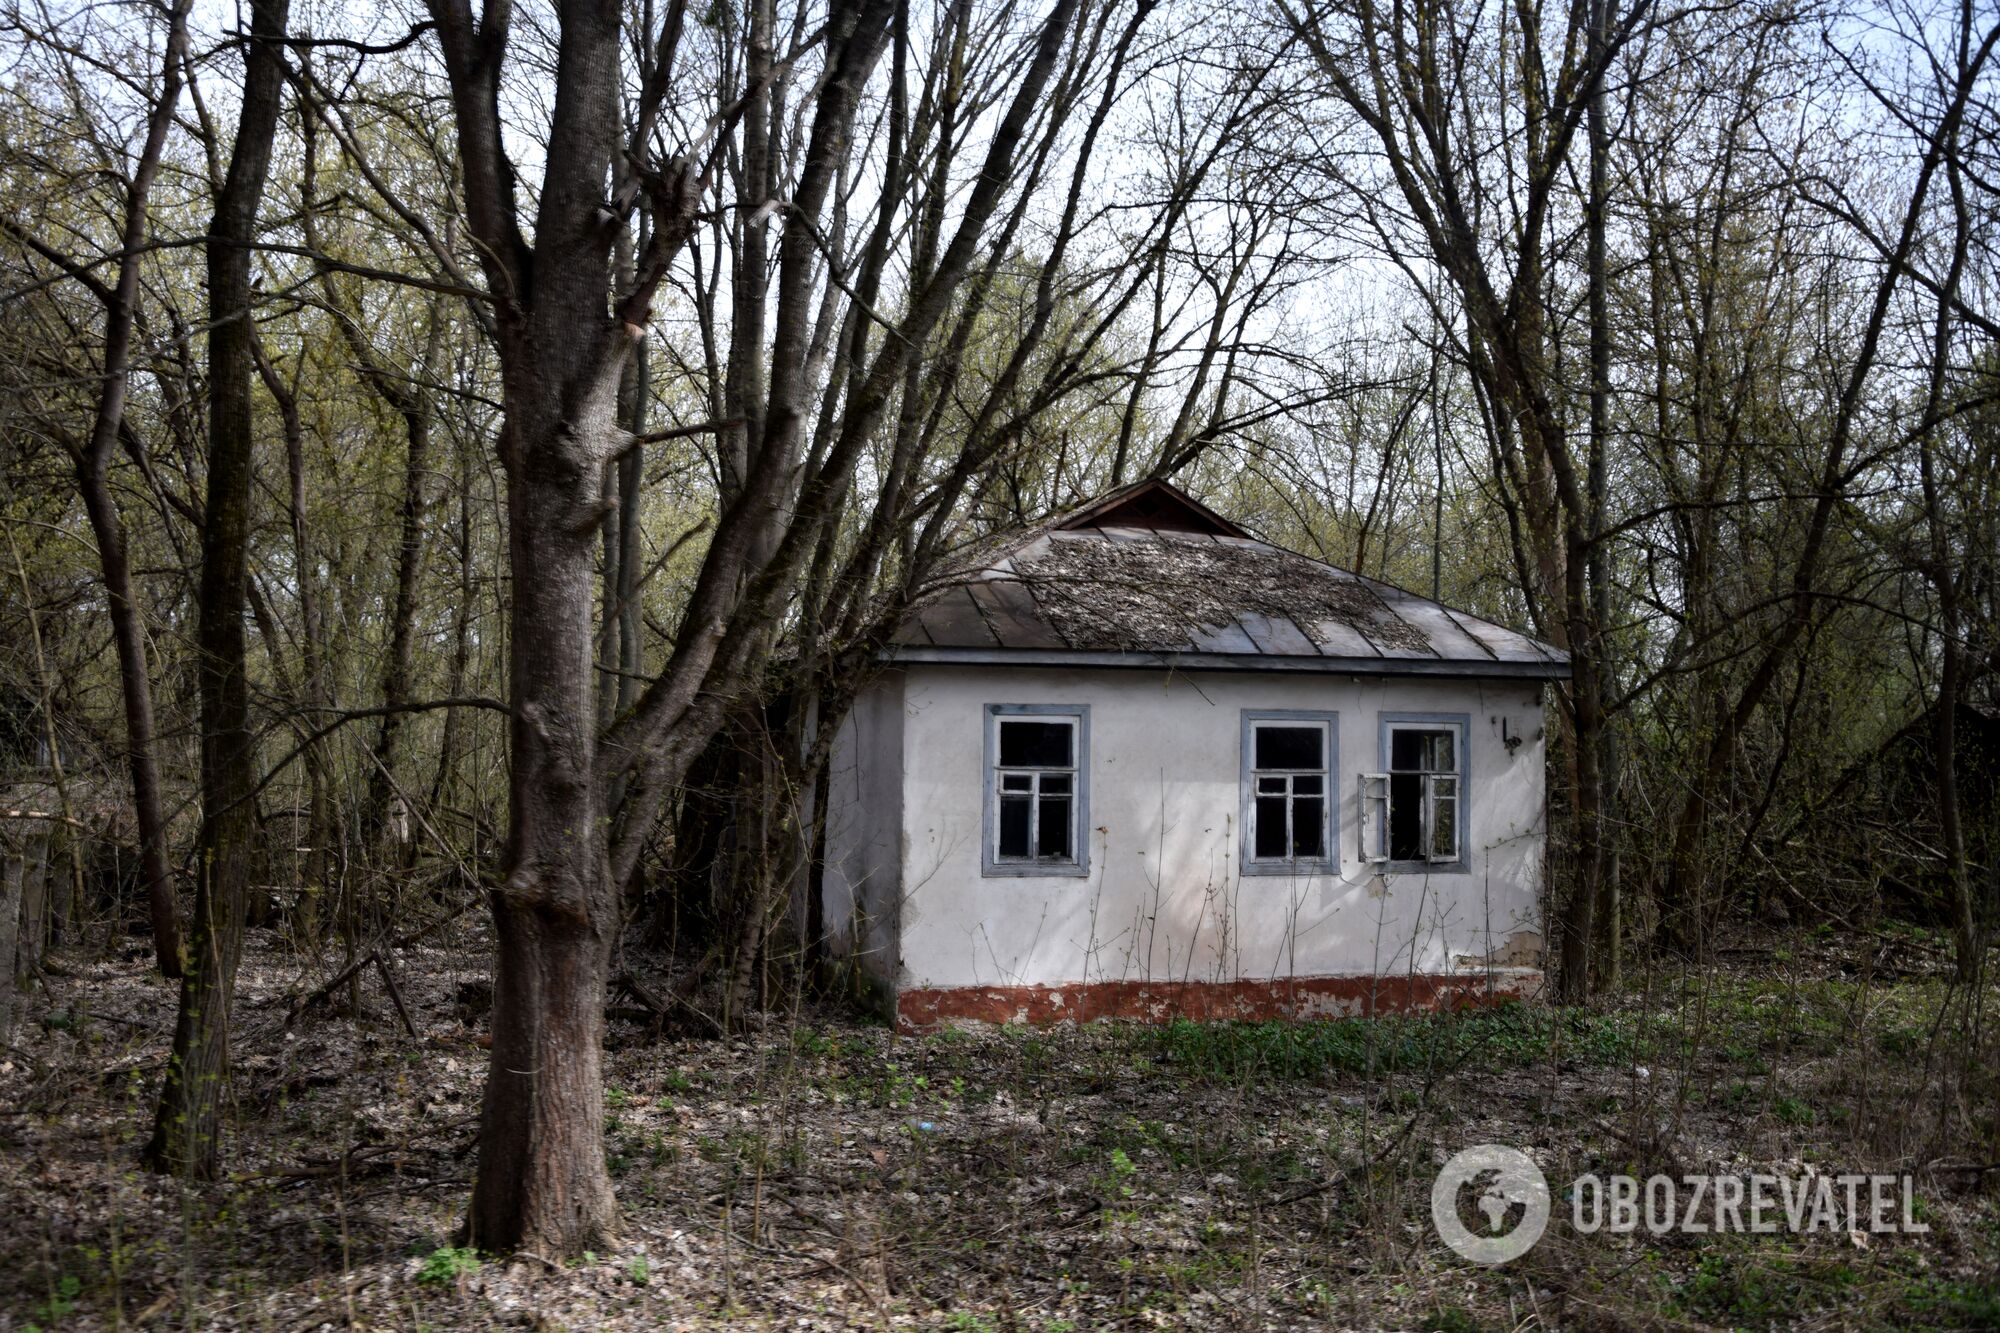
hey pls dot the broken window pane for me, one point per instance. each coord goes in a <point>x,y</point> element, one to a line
<point>1055,784</point>
<point>1415,751</point>
<point>1424,791</point>
<point>1308,831</point>
<point>1308,784</point>
<point>1271,786</point>
<point>1053,839</point>
<point>1035,744</point>
<point>1444,818</point>
<point>1270,843</point>
<point>1444,829</point>
<point>1290,747</point>
<point>1014,825</point>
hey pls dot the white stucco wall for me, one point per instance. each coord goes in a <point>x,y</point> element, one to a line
<point>862,880</point>
<point>1163,899</point>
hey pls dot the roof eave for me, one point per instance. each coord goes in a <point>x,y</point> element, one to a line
<point>913,654</point>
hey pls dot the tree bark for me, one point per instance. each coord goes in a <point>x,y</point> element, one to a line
<point>187,1129</point>
<point>12,881</point>
<point>93,466</point>
<point>1590,689</point>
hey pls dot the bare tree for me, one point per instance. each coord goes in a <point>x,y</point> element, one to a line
<point>187,1128</point>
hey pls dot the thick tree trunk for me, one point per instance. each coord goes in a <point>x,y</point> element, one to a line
<point>187,1129</point>
<point>542,1186</point>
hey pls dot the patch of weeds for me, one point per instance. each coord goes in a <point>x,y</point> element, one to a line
<point>1119,1183</point>
<point>965,1321</point>
<point>1731,1285</point>
<point>447,1264</point>
<point>639,1270</point>
<point>61,1303</point>
<point>807,1041</point>
<point>1937,1303</point>
<point>1451,1319</point>
<point>1512,1034</point>
<point>1747,1056</point>
<point>1736,1096</point>
<point>1793,1111</point>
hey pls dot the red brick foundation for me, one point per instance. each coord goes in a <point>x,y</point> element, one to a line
<point>1211,1001</point>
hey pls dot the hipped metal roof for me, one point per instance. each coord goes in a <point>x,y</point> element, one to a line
<point>1148,577</point>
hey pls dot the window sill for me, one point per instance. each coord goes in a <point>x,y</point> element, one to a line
<point>1292,869</point>
<point>1420,867</point>
<point>1033,870</point>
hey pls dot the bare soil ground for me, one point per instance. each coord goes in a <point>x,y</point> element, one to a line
<point>830,1174</point>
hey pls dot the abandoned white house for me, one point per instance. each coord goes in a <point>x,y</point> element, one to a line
<point>1136,763</point>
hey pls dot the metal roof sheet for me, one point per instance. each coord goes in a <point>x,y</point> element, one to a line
<point>1097,588</point>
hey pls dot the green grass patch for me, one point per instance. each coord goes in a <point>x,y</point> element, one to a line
<point>448,1263</point>
<point>1513,1034</point>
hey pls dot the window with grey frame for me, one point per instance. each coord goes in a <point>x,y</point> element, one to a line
<point>1413,814</point>
<point>1036,788</point>
<point>1289,760</point>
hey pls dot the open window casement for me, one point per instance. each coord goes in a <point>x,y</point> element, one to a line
<point>1375,817</point>
<point>1441,816</point>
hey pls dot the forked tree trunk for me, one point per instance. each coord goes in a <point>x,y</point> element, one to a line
<point>187,1129</point>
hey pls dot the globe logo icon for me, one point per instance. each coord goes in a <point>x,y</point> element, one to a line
<point>1506,1180</point>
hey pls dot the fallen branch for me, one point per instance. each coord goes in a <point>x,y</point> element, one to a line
<point>658,1010</point>
<point>373,958</point>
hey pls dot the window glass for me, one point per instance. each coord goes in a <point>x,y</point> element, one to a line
<point>1036,792</point>
<point>1287,790</point>
<point>1014,813</point>
<point>1308,827</point>
<point>1444,819</point>
<point>1290,747</point>
<point>1035,744</point>
<point>1052,840</point>
<point>1270,842</point>
<point>1415,750</point>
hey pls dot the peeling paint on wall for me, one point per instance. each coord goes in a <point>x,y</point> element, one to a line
<point>1295,998</point>
<point>1523,948</point>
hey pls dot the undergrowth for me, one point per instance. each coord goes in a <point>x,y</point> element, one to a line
<point>1511,1035</point>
